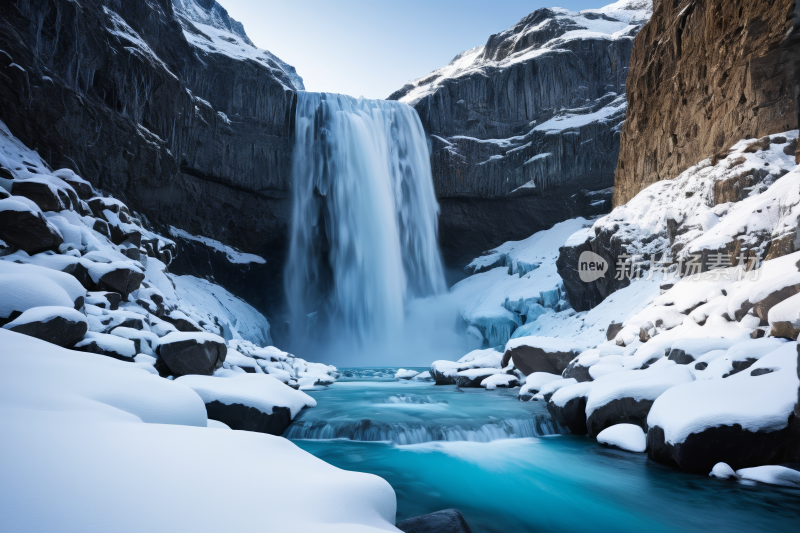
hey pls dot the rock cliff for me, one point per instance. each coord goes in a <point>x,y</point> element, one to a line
<point>523,127</point>
<point>169,107</point>
<point>702,76</point>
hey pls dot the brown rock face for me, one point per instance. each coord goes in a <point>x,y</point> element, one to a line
<point>703,75</point>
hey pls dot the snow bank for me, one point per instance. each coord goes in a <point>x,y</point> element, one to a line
<point>628,437</point>
<point>261,391</point>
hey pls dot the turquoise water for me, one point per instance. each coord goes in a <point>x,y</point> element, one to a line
<point>508,468</point>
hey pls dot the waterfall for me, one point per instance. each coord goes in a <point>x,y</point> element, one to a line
<point>364,223</point>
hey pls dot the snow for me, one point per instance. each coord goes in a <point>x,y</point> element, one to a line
<point>78,430</point>
<point>547,344</point>
<point>490,300</point>
<point>46,314</point>
<point>233,255</point>
<point>260,391</point>
<point>757,403</point>
<point>566,393</point>
<point>772,474</point>
<point>638,385</point>
<point>488,358</point>
<point>20,292</point>
<point>498,380</point>
<point>405,374</point>
<point>238,319</point>
<point>628,437</point>
<point>534,382</point>
<point>723,471</point>
<point>614,110</point>
<point>219,41</point>
<point>13,204</point>
<point>109,343</point>
<point>180,336</point>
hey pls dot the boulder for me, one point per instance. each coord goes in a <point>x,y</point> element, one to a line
<point>110,345</point>
<point>540,354</point>
<point>577,371</point>
<point>685,351</point>
<point>764,305</point>
<point>63,326</point>
<point>117,276</point>
<point>784,318</point>
<point>20,226</point>
<point>182,321</point>
<point>567,406</point>
<point>104,299</point>
<point>405,374</point>
<point>473,376</point>
<point>620,411</point>
<point>44,194</point>
<point>742,420</point>
<point>192,353</point>
<point>447,521</point>
<point>249,402</point>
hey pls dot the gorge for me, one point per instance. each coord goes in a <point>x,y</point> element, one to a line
<point>250,306</point>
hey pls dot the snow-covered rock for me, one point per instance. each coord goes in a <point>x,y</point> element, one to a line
<point>568,406</point>
<point>541,354</point>
<point>741,420</point>
<point>405,374</point>
<point>110,345</point>
<point>534,383</point>
<point>499,380</point>
<point>192,353</point>
<point>62,326</point>
<point>629,437</point>
<point>250,402</point>
<point>25,227</point>
<point>446,371</point>
<point>626,397</point>
<point>784,318</point>
<point>423,376</point>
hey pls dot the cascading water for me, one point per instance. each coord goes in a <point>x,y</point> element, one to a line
<point>364,226</point>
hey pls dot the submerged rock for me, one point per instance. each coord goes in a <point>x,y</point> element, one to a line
<point>447,521</point>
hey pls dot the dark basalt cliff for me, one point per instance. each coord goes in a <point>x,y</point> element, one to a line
<point>146,102</point>
<point>524,127</point>
<point>703,75</point>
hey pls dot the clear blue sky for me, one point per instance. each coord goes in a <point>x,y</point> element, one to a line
<point>373,47</point>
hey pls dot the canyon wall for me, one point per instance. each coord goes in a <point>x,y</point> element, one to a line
<point>170,108</point>
<point>703,75</point>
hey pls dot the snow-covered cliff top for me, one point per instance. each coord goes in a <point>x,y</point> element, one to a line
<point>212,30</point>
<point>543,31</point>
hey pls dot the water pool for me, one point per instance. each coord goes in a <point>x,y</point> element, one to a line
<point>509,468</point>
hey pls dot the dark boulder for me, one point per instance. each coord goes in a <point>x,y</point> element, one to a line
<point>108,345</point>
<point>473,380</point>
<point>446,521</point>
<point>121,279</point>
<point>572,415</point>
<point>192,353</point>
<point>530,359</point>
<point>242,417</point>
<point>27,230</point>
<point>40,192</point>
<point>612,330</point>
<point>182,322</point>
<point>727,444</point>
<point>62,326</point>
<point>619,411</point>
<point>577,371</point>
